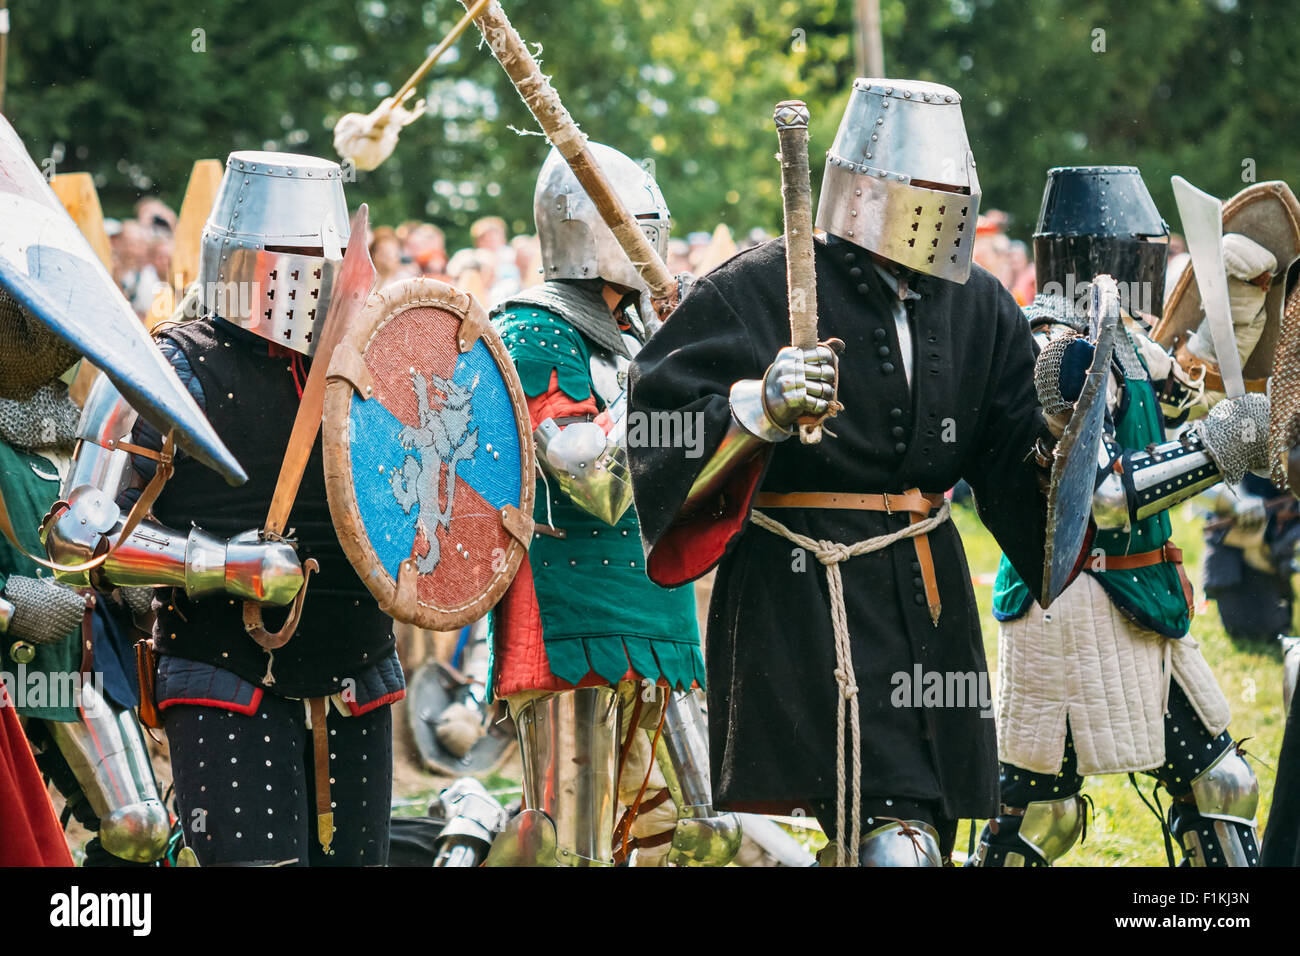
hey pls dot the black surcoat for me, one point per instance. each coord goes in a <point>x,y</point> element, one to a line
<point>971,412</point>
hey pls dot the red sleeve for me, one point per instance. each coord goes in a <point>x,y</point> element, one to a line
<point>554,403</point>
<point>692,546</point>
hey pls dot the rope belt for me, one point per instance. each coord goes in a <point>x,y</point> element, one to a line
<point>832,554</point>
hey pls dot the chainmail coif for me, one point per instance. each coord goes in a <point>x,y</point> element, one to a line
<point>30,354</point>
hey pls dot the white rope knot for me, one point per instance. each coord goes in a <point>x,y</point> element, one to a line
<point>832,554</point>
<point>848,685</point>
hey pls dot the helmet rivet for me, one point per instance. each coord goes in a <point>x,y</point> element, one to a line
<point>880,121</point>
<point>853,212</point>
<point>850,232</point>
<point>857,192</point>
<point>907,94</point>
<point>889,90</point>
<point>947,99</point>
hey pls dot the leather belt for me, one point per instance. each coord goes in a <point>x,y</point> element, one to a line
<point>913,502</point>
<point>1168,553</point>
<point>321,758</point>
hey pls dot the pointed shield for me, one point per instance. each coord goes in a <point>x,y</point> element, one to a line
<point>1074,465</point>
<point>47,265</point>
<point>428,455</point>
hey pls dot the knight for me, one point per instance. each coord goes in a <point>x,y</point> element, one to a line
<point>279,756</point>
<point>838,571</point>
<point>596,664</point>
<point>1108,678</point>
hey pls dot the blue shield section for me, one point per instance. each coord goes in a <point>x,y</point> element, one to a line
<point>494,470</point>
<point>376,456</point>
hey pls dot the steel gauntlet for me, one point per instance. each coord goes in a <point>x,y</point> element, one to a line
<point>244,566</point>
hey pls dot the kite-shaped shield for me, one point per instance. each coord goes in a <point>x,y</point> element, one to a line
<point>1074,466</point>
<point>428,455</point>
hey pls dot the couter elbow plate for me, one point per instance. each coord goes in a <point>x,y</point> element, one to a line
<point>428,455</point>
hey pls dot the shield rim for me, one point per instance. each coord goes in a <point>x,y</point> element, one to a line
<point>1182,312</point>
<point>347,373</point>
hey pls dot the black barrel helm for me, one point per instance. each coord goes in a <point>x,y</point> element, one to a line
<point>1099,220</point>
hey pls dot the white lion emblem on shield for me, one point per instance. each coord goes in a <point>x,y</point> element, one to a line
<point>442,438</point>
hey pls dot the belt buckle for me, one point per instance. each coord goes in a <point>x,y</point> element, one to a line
<point>888,507</point>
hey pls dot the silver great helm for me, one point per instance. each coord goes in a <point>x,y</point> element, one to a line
<point>273,244</point>
<point>900,177</point>
<point>576,243</point>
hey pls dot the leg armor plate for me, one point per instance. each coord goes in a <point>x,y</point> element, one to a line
<point>1037,836</point>
<point>912,843</point>
<point>569,745</point>
<point>107,754</point>
<point>474,818</point>
<point>703,837</point>
<point>1215,823</point>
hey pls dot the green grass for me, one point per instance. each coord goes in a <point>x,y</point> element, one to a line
<point>1123,831</point>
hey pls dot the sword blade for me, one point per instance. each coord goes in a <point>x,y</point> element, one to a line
<point>1202,217</point>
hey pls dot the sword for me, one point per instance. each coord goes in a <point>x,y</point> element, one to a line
<point>791,118</point>
<point>543,102</point>
<point>1202,217</point>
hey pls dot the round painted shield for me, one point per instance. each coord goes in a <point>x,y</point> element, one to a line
<point>428,455</point>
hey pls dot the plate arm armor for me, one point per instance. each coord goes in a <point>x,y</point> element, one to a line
<point>1134,485</point>
<point>87,521</point>
<point>750,430</point>
<point>590,464</point>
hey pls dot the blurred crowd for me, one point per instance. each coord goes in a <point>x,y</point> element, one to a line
<point>497,265</point>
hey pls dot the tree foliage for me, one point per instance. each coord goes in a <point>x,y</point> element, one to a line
<point>135,92</point>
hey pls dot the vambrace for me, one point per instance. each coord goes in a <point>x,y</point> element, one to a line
<point>44,611</point>
<point>106,424</point>
<point>750,430</point>
<point>88,521</point>
<point>590,464</point>
<point>1135,485</point>
<point>703,837</point>
<point>1215,822</point>
<point>244,566</point>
